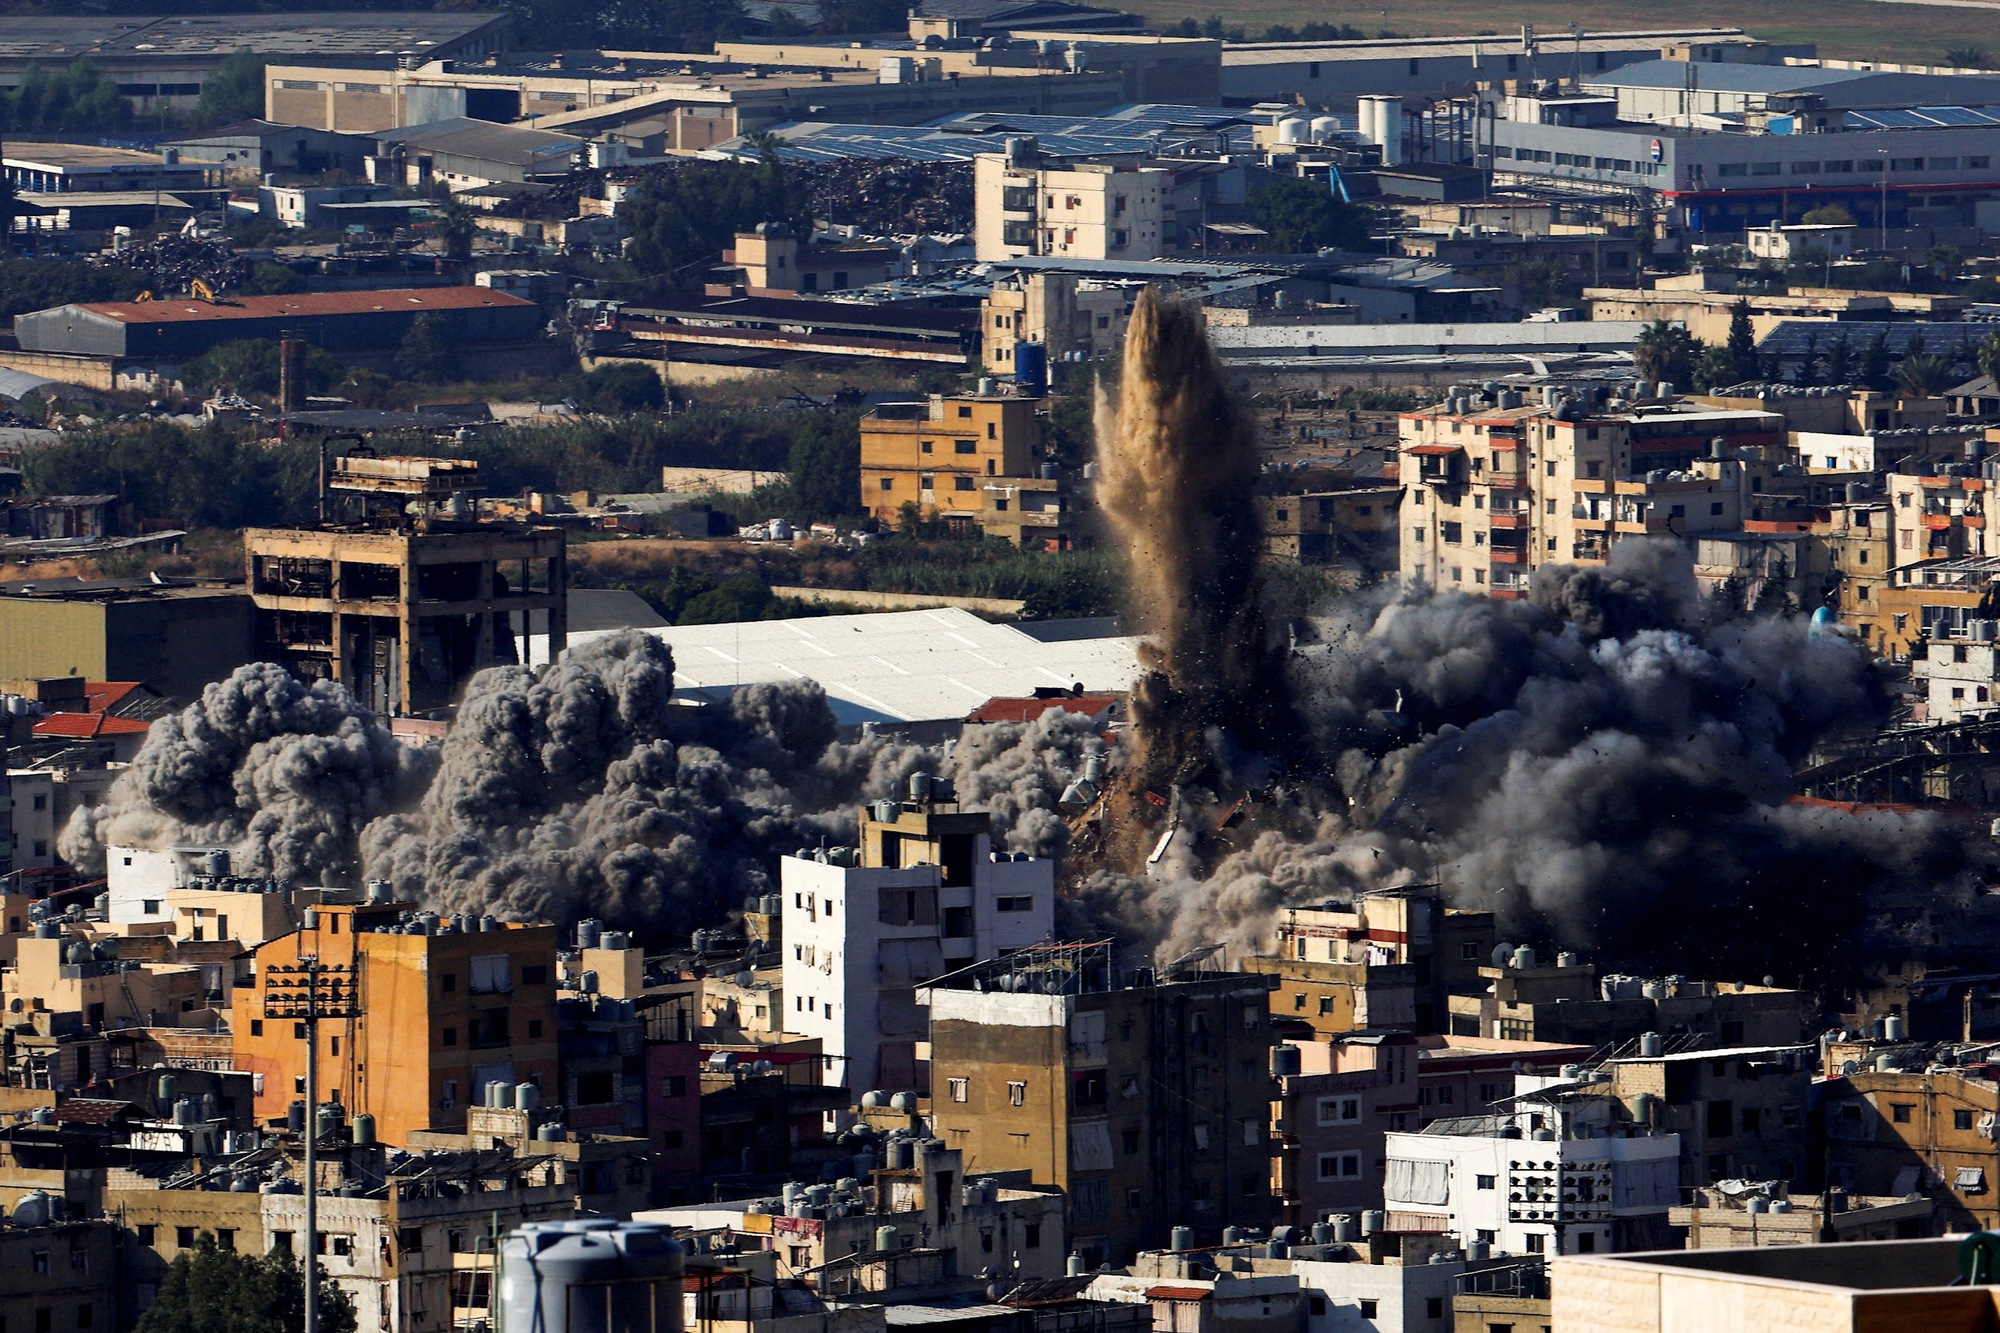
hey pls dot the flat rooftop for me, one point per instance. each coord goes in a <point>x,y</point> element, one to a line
<point>1410,48</point>
<point>65,37</point>
<point>78,157</point>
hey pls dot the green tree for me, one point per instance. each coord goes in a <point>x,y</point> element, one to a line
<point>1987,357</point>
<point>235,91</point>
<point>1922,375</point>
<point>212,1290</point>
<point>1828,215</point>
<point>682,217</point>
<point>78,98</point>
<point>1985,290</point>
<point>1714,369</point>
<point>210,477</point>
<point>455,225</point>
<point>1740,348</point>
<point>427,353</point>
<point>825,467</point>
<point>621,386</point>
<point>39,284</point>
<point>1665,352</point>
<point>1299,217</point>
<point>1875,362</point>
<point>275,280</point>
<point>745,597</point>
<point>250,366</point>
<point>1839,358</point>
<point>1967,57</point>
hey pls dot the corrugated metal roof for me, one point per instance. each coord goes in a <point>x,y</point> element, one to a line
<point>1027,710</point>
<point>305,306</point>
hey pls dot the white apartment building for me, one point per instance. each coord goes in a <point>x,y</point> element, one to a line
<point>1494,492</point>
<point>43,800</point>
<point>924,894</point>
<point>1557,1175</point>
<point>1023,205</point>
<point>1956,679</point>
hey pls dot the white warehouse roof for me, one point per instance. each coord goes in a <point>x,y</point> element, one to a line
<point>893,666</point>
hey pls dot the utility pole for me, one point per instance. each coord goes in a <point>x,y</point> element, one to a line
<point>305,992</point>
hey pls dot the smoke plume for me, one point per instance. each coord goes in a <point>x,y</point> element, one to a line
<point>1179,464</point>
<point>582,788</point>
<point>284,773</point>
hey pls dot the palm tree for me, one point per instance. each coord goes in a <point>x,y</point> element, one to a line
<point>1921,375</point>
<point>1987,357</point>
<point>455,226</point>
<point>1966,57</point>
<point>1664,352</point>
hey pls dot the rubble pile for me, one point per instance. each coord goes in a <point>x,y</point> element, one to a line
<point>177,262</point>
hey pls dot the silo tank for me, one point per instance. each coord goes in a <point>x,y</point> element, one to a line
<point>1324,128</point>
<point>590,1278</point>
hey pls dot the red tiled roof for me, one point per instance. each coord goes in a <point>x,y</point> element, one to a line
<point>182,310</point>
<point>1177,1293</point>
<point>105,695</point>
<point>1027,710</point>
<point>87,725</point>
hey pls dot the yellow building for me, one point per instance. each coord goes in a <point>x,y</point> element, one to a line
<point>942,456</point>
<point>1024,204</point>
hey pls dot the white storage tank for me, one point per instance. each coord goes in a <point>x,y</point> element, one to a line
<point>1324,128</point>
<point>598,1276</point>
<point>1293,129</point>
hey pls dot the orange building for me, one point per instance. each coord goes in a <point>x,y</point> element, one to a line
<point>442,1015</point>
<point>944,456</point>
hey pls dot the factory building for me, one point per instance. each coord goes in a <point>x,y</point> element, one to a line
<point>161,63</point>
<point>184,328</point>
<point>404,613</point>
<point>451,1007</point>
<point>173,639</point>
<point>1336,73</point>
<point>1146,1099</point>
<point>923,895</point>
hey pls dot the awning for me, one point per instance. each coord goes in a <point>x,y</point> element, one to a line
<point>1436,450</point>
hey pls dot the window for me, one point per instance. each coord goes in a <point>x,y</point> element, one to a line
<point>1805,168</point>
<point>965,446</point>
<point>1015,902</point>
<point>448,982</point>
<point>1537,1243</point>
<point>1482,1182</point>
<point>184,1237</point>
<point>1340,1166</point>
<point>1368,1309</point>
<point>1017,1094</point>
<point>1961,1119</point>
<point>256,1027</point>
<point>1906,164</point>
<point>448,1037</point>
<point>84,1316</point>
<point>1900,1112</point>
<point>537,975</point>
<point>1451,533</point>
<point>1765,168</point>
<point>964,483</point>
<point>1434,1305</point>
<point>1339,1110</point>
<point>1733,169</point>
<point>147,1232</point>
<point>490,975</point>
<point>961,1089</point>
<point>225,1239</point>
<point>673,1085</point>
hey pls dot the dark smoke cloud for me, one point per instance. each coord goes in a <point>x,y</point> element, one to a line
<point>581,788</point>
<point>1594,763</point>
<point>285,774</point>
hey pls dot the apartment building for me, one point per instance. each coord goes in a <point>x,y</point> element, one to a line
<point>1026,204</point>
<point>1145,1099</point>
<point>1442,949</point>
<point>1524,999</point>
<point>866,927</point>
<point>1857,542</point>
<point>1898,1131</point>
<point>944,456</point>
<point>1336,1100</point>
<point>450,1006</point>
<point>1494,492</point>
<point>1739,1112</point>
<point>1070,316</point>
<point>1957,679</point>
<point>1939,517</point>
<point>1549,1176</point>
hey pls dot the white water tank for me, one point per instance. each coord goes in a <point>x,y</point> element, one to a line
<point>1324,128</point>
<point>1293,129</point>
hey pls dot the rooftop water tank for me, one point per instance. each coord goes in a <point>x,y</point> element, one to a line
<point>583,1277</point>
<point>1182,1238</point>
<point>364,1129</point>
<point>1650,1045</point>
<point>1293,129</point>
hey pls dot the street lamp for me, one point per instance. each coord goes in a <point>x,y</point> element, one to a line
<point>305,992</point>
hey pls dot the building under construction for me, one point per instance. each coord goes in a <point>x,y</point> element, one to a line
<point>400,592</point>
